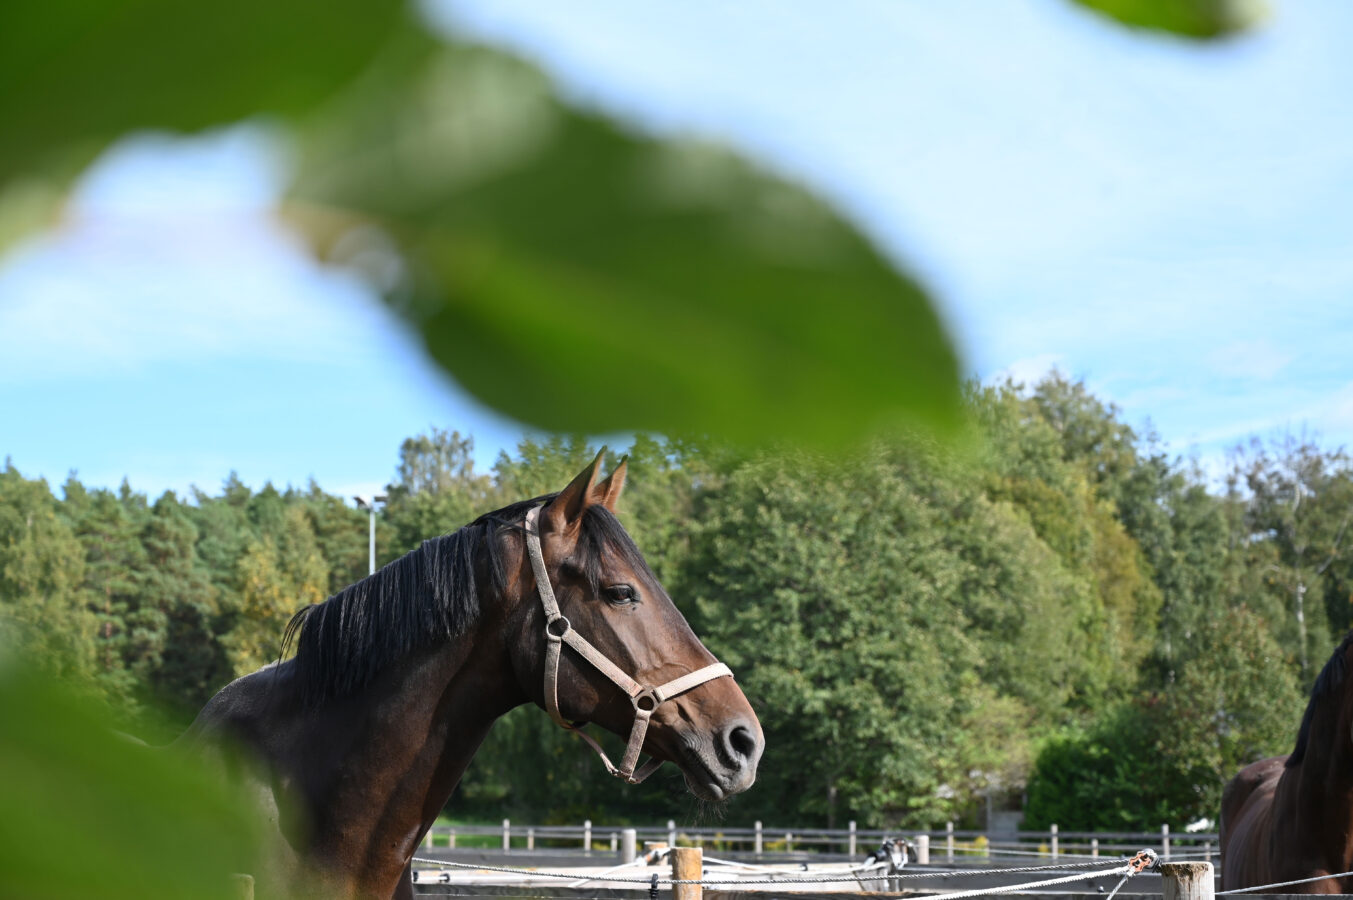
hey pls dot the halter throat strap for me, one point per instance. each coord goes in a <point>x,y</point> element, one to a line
<point>646,698</point>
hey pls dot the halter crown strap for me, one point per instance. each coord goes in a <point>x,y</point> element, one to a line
<point>646,698</point>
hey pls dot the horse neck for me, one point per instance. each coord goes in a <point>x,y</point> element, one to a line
<point>442,705</point>
<point>408,738</point>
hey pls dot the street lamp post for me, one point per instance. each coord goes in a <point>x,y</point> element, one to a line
<point>363,503</point>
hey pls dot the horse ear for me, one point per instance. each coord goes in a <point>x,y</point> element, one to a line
<point>567,508</point>
<point>608,491</point>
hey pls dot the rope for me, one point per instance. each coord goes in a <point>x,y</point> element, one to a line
<point>825,878</point>
<point>1124,870</point>
<point>1260,887</point>
<point>573,876</point>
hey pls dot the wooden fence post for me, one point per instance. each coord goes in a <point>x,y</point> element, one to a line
<point>1094,848</point>
<point>850,845</point>
<point>451,840</point>
<point>427,841</point>
<point>507,835</point>
<point>671,833</point>
<point>687,863</point>
<point>1186,881</point>
<point>587,837</point>
<point>758,844</point>
<point>949,841</point>
<point>922,846</point>
<point>1165,842</point>
<point>1053,830</point>
<point>530,839</point>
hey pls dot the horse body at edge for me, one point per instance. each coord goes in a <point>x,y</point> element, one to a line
<point>357,743</point>
<point>1291,817</point>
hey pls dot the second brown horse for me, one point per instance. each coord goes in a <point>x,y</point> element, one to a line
<point>1291,817</point>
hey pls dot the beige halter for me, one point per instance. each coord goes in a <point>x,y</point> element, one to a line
<point>645,698</point>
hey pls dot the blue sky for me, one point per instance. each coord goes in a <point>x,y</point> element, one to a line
<point>1170,222</point>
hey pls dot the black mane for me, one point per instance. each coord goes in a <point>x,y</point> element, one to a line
<point>1329,680</point>
<point>430,594</point>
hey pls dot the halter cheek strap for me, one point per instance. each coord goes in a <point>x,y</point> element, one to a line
<point>646,698</point>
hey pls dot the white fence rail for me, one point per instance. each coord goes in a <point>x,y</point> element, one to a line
<point>948,844</point>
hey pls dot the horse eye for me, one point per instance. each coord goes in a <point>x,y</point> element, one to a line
<point>621,593</point>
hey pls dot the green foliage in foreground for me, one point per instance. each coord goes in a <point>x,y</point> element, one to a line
<point>1063,612</point>
<point>88,813</point>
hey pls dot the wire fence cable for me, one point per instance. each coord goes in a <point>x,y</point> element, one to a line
<point>1260,887</point>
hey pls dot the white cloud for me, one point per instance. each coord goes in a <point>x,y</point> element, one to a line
<point>170,253</point>
<point>1249,359</point>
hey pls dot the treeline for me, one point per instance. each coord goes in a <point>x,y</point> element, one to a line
<point>1059,617</point>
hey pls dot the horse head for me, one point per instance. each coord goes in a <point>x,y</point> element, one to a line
<point>599,640</point>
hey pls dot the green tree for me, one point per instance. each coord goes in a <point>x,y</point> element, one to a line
<point>1166,757</point>
<point>110,534</point>
<point>870,608</point>
<point>1055,455</point>
<point>436,492</point>
<point>174,632</point>
<point>43,606</point>
<point>1299,508</point>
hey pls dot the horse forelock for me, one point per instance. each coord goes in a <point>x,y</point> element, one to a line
<point>602,535</point>
<point>1327,684</point>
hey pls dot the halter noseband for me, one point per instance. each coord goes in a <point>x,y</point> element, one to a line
<point>646,698</point>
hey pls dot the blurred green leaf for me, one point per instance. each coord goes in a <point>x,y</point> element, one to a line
<point>79,73</point>
<point>1191,18</point>
<point>87,813</point>
<point>581,277</point>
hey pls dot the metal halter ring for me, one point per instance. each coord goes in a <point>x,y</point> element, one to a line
<point>549,628</point>
<point>647,694</point>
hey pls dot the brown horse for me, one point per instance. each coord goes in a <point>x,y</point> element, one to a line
<point>1291,817</point>
<point>360,739</point>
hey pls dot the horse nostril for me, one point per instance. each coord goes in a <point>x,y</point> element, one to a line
<point>742,742</point>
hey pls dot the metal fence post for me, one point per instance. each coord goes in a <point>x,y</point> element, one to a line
<point>789,842</point>
<point>587,837</point>
<point>451,840</point>
<point>922,849</point>
<point>1053,831</point>
<point>530,839</point>
<point>629,841</point>
<point>507,835</point>
<point>671,834</point>
<point>1165,842</point>
<point>757,844</point>
<point>949,841</point>
<point>427,841</point>
<point>1207,851</point>
<point>615,839</point>
<point>850,845</point>
<point>1094,848</point>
